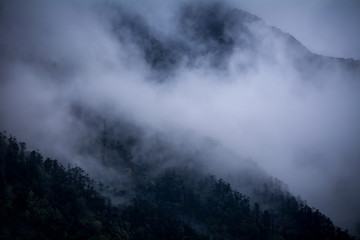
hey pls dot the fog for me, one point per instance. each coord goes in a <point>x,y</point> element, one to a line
<point>190,72</point>
<point>329,27</point>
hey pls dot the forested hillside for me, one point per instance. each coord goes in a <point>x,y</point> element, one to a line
<point>42,199</point>
<point>152,99</point>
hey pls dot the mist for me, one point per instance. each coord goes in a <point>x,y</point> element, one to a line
<point>192,73</point>
<point>328,28</point>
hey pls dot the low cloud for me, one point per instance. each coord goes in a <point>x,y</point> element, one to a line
<point>207,72</point>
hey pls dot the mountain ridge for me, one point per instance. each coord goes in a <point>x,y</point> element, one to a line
<point>108,88</point>
<point>38,196</point>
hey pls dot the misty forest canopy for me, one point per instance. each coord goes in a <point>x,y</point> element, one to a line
<point>41,199</point>
<point>171,119</point>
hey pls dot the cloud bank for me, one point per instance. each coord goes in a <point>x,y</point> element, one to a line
<point>329,28</point>
<point>189,72</point>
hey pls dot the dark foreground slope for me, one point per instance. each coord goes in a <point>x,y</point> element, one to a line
<point>41,199</point>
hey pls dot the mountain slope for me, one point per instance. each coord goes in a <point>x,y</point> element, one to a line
<point>125,92</point>
<point>215,32</point>
<point>42,199</point>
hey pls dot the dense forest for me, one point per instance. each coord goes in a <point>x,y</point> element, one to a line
<point>42,199</point>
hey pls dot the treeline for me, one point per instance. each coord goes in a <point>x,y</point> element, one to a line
<point>41,199</point>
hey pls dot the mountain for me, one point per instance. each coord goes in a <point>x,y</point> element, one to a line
<point>216,32</point>
<point>41,199</point>
<point>187,116</point>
